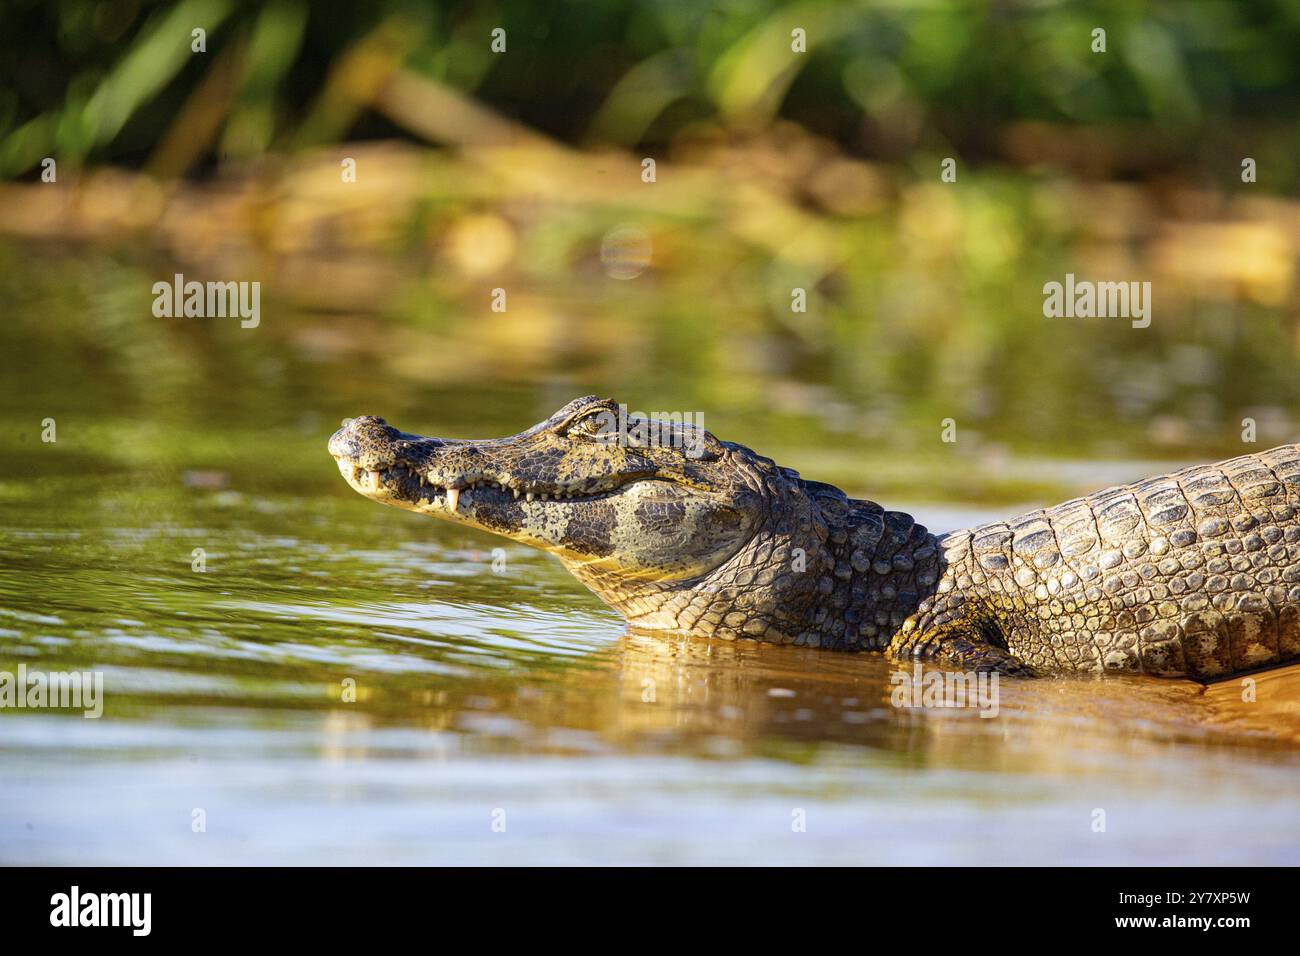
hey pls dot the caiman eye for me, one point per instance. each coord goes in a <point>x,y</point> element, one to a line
<point>601,424</point>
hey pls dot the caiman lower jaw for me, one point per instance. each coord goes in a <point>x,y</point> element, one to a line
<point>400,485</point>
<point>406,487</point>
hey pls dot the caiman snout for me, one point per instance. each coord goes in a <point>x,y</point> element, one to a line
<point>376,458</point>
<point>359,434</point>
<point>373,443</point>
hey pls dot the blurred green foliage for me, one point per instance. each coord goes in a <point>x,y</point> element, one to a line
<point>104,80</point>
<point>780,170</point>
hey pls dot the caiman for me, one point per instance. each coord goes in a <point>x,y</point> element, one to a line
<point>1193,574</point>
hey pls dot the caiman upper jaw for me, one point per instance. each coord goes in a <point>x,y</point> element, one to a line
<point>395,467</point>
<point>374,445</point>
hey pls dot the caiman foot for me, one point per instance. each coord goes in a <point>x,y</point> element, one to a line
<point>959,647</point>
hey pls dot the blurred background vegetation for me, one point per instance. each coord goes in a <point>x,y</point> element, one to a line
<point>776,170</point>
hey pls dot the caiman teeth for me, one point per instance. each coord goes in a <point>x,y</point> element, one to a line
<point>371,481</point>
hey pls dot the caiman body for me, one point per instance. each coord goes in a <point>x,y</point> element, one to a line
<point>1193,574</point>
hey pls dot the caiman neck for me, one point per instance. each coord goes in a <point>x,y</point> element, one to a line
<point>827,571</point>
<point>881,565</point>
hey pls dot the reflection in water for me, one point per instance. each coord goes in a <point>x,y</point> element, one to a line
<point>705,697</point>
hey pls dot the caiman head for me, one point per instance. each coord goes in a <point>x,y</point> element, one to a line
<point>670,526</point>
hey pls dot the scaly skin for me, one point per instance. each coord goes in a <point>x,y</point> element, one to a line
<point>1194,574</point>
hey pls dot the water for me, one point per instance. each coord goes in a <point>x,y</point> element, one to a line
<point>481,693</point>
<point>500,716</point>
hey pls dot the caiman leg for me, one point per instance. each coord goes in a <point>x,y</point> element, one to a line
<point>1193,574</point>
<point>959,646</point>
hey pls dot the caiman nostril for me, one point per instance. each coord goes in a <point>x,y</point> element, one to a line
<point>343,444</point>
